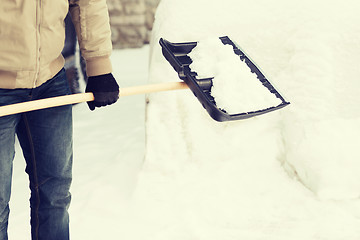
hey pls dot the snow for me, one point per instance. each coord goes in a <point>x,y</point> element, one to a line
<point>290,174</point>
<point>235,88</point>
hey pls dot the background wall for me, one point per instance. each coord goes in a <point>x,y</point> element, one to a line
<point>131,21</point>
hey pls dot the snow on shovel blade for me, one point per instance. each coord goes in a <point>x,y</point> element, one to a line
<point>177,54</point>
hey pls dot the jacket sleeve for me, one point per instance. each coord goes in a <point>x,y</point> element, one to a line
<point>91,21</point>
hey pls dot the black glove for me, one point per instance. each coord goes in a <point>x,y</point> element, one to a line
<point>105,90</point>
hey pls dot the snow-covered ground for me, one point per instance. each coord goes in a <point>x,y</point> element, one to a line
<point>291,174</point>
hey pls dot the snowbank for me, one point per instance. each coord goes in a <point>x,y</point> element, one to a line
<point>251,179</point>
<point>309,51</point>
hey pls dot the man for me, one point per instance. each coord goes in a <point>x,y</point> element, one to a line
<point>31,67</point>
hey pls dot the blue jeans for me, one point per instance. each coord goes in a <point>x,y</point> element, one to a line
<point>45,137</point>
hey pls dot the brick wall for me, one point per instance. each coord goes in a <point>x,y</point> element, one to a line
<point>131,21</point>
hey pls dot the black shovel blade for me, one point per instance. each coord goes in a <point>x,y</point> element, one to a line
<point>177,55</point>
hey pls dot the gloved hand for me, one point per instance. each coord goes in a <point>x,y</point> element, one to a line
<point>105,90</point>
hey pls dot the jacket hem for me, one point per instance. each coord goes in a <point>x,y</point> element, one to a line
<point>26,79</point>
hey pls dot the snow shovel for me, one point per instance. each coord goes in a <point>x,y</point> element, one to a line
<point>177,55</point>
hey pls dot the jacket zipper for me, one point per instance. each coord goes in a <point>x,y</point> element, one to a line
<point>38,22</point>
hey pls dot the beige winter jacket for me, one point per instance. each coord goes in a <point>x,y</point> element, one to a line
<point>32,38</point>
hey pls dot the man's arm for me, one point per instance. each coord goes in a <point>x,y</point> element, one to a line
<point>91,21</point>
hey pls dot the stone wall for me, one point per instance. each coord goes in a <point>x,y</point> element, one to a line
<point>131,21</point>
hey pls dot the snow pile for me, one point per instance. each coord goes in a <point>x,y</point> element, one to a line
<point>252,179</point>
<point>309,54</point>
<point>325,156</point>
<point>321,76</point>
<point>235,88</point>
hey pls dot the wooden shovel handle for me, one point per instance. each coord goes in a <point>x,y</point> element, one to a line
<point>86,97</point>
